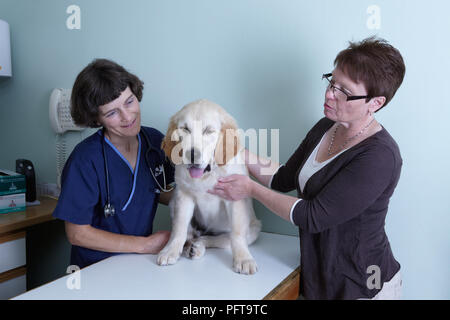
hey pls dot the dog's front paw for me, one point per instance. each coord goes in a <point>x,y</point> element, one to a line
<point>245,266</point>
<point>168,256</point>
<point>194,249</point>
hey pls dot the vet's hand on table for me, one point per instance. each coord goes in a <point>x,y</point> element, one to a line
<point>155,242</point>
<point>234,187</point>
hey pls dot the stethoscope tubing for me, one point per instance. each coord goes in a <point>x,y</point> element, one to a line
<point>109,209</point>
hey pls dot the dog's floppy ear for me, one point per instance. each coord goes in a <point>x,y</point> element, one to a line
<point>170,140</point>
<point>228,144</point>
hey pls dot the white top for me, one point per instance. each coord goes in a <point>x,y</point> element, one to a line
<point>310,167</point>
<point>137,276</point>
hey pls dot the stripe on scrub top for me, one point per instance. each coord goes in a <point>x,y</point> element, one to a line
<point>135,173</point>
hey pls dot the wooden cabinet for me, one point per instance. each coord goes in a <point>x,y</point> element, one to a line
<point>13,245</point>
<point>12,264</point>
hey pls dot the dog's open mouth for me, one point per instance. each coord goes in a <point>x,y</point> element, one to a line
<point>196,171</point>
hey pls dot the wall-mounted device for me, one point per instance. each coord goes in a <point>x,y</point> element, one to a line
<point>26,168</point>
<point>59,111</point>
<point>61,121</point>
<point>5,50</point>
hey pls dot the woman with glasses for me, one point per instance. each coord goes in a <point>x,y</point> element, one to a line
<point>345,171</point>
<point>114,179</point>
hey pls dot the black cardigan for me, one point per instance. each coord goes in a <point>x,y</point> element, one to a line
<point>342,215</point>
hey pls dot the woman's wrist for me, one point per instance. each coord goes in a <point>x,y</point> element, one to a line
<point>253,186</point>
<point>139,244</point>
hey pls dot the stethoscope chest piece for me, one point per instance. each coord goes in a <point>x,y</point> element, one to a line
<point>109,210</point>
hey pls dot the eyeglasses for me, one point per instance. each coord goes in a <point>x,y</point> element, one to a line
<point>338,92</point>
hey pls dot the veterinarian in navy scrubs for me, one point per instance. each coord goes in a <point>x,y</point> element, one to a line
<point>113,180</point>
<point>345,172</point>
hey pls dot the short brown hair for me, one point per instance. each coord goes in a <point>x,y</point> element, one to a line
<point>375,63</point>
<point>99,83</point>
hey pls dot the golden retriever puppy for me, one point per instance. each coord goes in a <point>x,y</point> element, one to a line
<point>203,144</point>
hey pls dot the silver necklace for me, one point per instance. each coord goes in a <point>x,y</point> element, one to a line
<point>347,140</point>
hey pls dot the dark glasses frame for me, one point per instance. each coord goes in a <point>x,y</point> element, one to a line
<point>333,87</point>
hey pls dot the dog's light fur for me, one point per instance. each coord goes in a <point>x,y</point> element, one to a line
<point>200,219</point>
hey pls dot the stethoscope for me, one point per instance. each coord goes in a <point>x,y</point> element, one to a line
<point>109,209</point>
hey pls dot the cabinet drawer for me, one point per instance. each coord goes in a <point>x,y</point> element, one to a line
<point>12,251</point>
<point>13,287</point>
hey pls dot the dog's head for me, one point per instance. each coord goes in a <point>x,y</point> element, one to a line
<point>201,135</point>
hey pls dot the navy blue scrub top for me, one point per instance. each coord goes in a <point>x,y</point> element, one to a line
<point>134,194</point>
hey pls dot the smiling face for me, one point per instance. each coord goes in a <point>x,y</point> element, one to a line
<point>195,137</point>
<point>198,135</point>
<point>121,117</point>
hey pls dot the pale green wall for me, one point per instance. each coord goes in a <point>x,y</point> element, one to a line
<point>262,60</point>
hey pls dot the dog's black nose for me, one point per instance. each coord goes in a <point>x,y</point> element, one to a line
<point>193,155</point>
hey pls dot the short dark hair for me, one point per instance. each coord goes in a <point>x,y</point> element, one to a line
<point>375,63</point>
<point>99,83</point>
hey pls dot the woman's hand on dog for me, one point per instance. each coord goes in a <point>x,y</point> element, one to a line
<point>234,187</point>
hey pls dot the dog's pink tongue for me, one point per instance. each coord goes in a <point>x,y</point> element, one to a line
<point>195,172</point>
